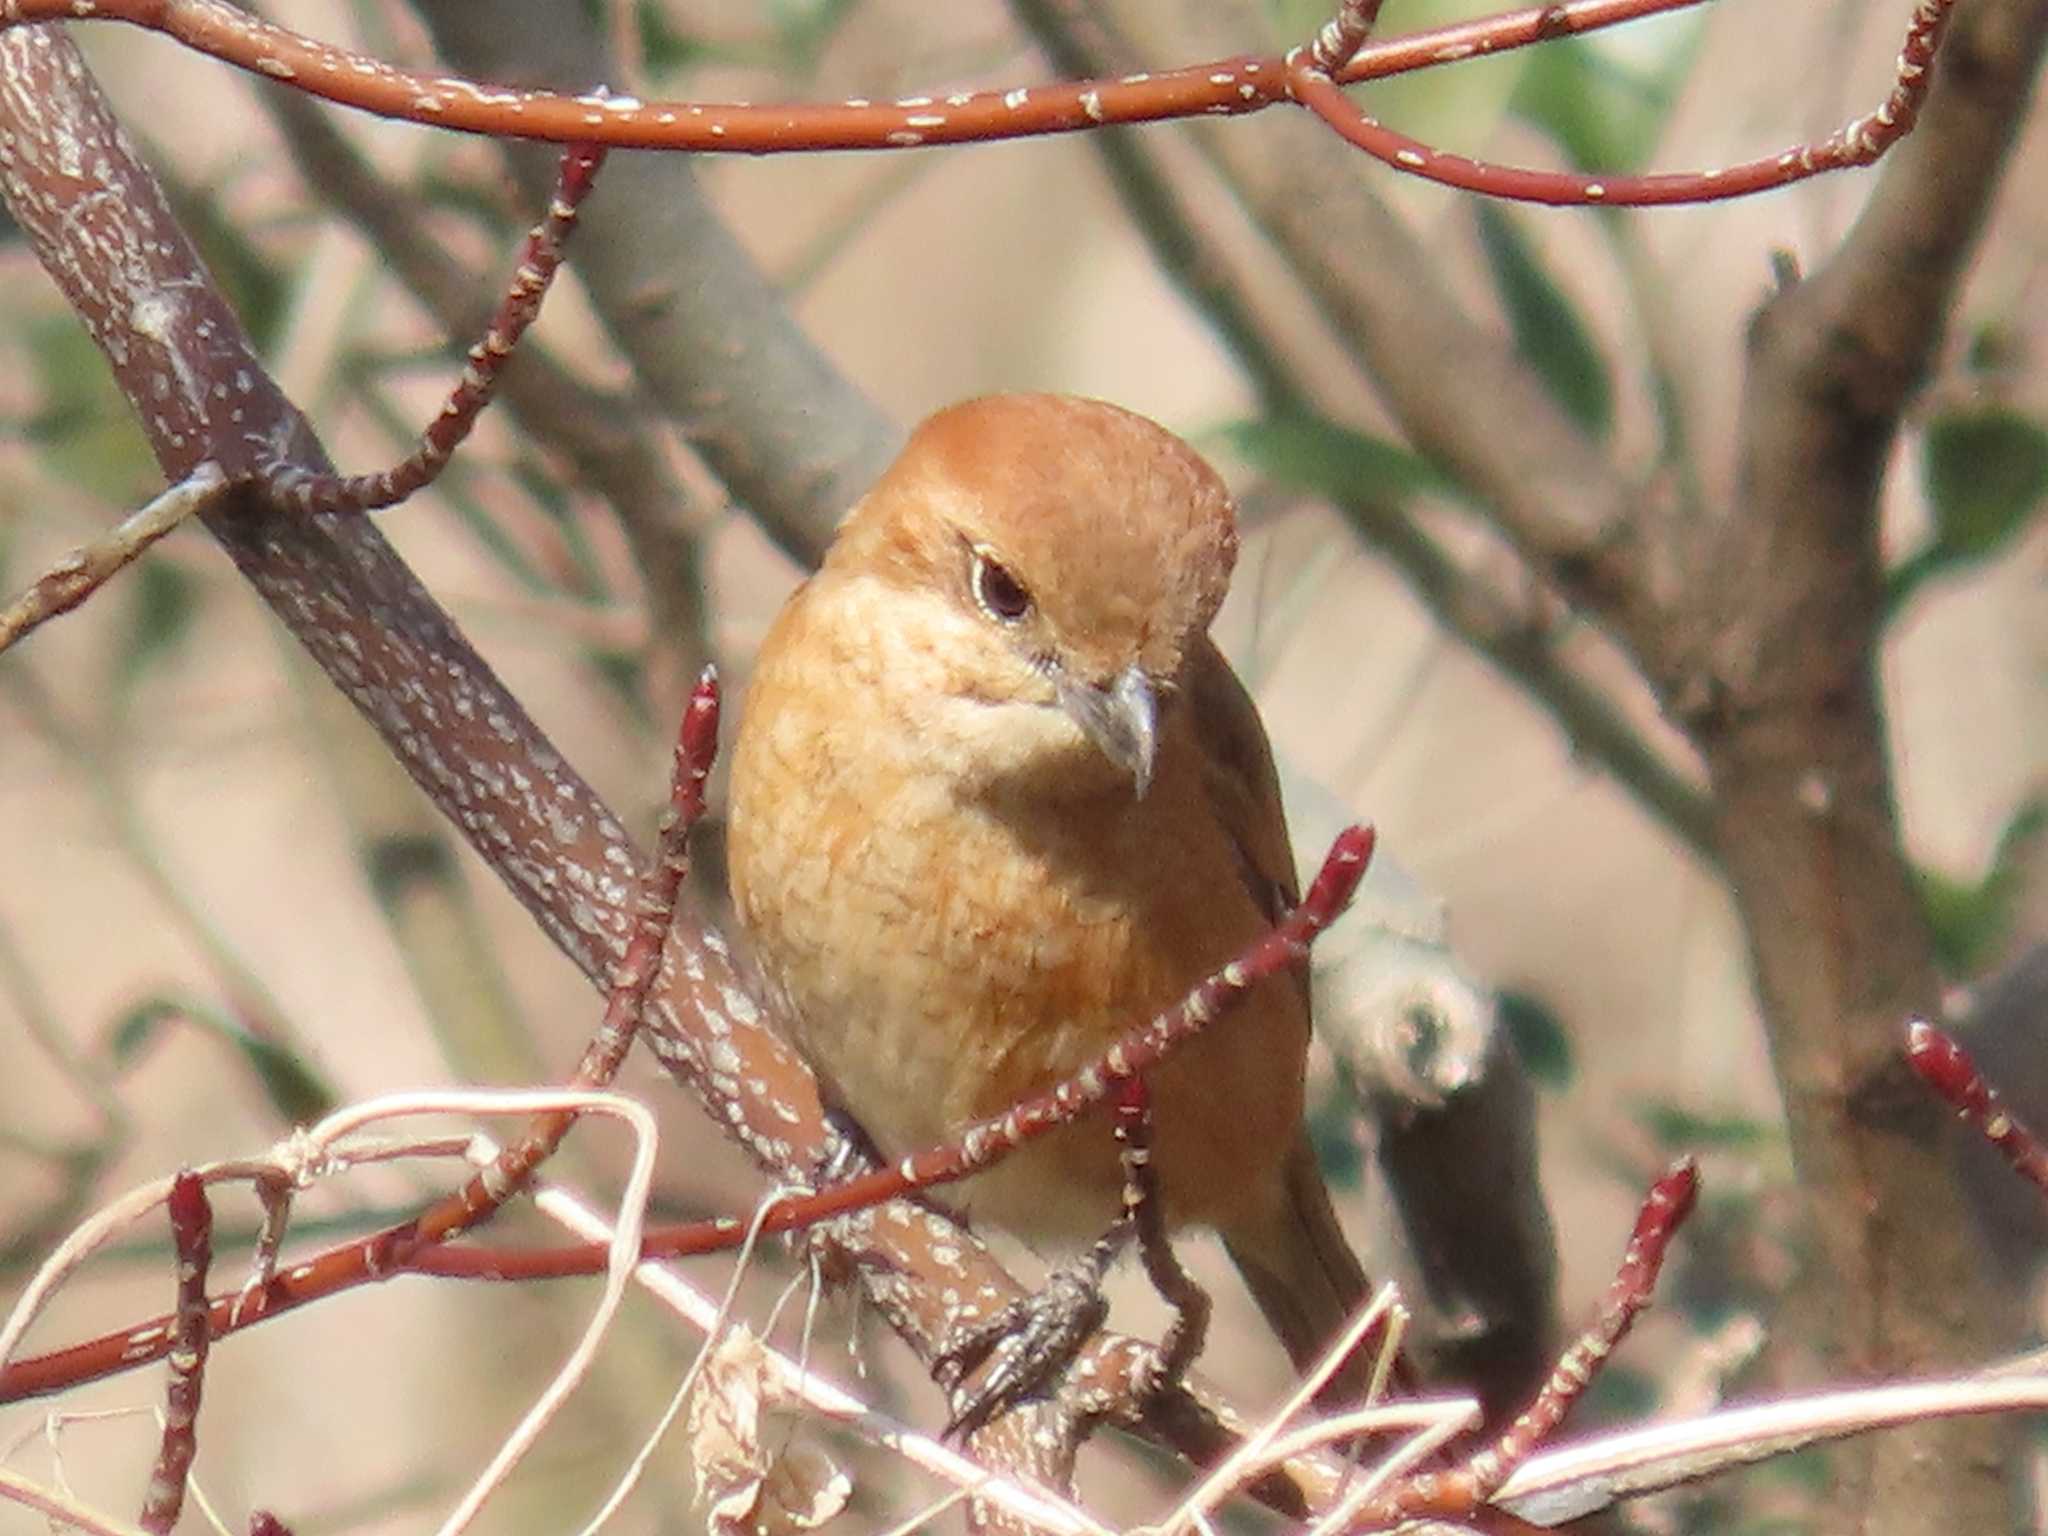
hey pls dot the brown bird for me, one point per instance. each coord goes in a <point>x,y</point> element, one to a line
<point>997,797</point>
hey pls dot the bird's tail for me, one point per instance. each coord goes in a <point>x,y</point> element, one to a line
<point>1301,1271</point>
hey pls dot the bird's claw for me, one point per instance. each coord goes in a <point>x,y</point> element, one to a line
<point>850,1152</point>
<point>1026,1347</point>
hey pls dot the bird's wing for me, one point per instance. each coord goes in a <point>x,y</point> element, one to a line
<point>1237,773</point>
<point>1291,1249</point>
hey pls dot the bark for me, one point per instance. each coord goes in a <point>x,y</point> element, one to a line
<point>1787,613</point>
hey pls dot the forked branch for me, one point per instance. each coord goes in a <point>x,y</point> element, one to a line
<point>1309,76</point>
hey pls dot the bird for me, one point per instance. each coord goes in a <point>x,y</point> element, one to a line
<point>996,797</point>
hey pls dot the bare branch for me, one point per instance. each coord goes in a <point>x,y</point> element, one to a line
<point>84,571</point>
<point>192,1231</point>
<point>607,441</point>
<point>710,338</point>
<point>540,258</point>
<point>1224,86</point>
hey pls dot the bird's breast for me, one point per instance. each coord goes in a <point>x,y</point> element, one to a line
<point>951,948</point>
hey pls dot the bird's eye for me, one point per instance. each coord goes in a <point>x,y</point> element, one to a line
<point>1001,595</point>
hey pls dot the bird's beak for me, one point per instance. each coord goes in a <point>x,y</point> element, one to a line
<point>1121,718</point>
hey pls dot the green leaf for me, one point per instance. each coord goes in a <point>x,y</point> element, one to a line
<point>663,48</point>
<point>1905,578</point>
<point>1606,115</point>
<point>80,423</point>
<point>1985,470</point>
<point>1620,1394</point>
<point>1995,348</point>
<point>1308,453</point>
<point>134,1029</point>
<point>294,1089</point>
<point>1679,1129</point>
<point>1970,920</point>
<point>1540,1037</point>
<point>1548,332</point>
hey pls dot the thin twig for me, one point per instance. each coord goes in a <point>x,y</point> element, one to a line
<point>1946,1067</point>
<point>1233,86</point>
<point>1460,1491</point>
<point>85,570</point>
<point>192,1232</point>
<point>622,1256</point>
<point>306,490</point>
<point>61,1509</point>
<point>420,1245</point>
<point>1578,1479</point>
<point>607,441</point>
<point>1312,76</point>
<point>804,1383</point>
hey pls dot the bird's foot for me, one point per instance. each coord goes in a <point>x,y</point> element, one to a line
<point>1029,1344</point>
<point>1022,1351</point>
<point>851,1151</point>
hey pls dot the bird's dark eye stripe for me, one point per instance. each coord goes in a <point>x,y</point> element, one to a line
<point>1001,595</point>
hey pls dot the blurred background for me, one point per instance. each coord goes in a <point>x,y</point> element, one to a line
<point>220,903</point>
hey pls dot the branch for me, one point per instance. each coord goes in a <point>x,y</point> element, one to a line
<point>1230,86</point>
<point>1205,269</point>
<point>192,1230</point>
<point>1946,1067</point>
<point>1308,76</point>
<point>540,258</point>
<point>710,338</point>
<point>98,222</point>
<point>1312,75</point>
<point>1456,388</point>
<point>1782,612</point>
<point>607,441</point>
<point>84,571</point>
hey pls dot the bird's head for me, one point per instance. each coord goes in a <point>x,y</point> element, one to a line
<point>1051,562</point>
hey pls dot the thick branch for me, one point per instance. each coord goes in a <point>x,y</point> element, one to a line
<point>98,222</point>
<point>1786,614</point>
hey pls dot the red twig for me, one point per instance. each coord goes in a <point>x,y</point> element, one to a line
<point>1462,1490</point>
<point>1145,1208</point>
<point>1229,86</point>
<point>400,1248</point>
<point>987,1140</point>
<point>1313,76</point>
<point>539,259</point>
<point>1310,76</point>
<point>1344,35</point>
<point>192,1235</point>
<point>417,1246</point>
<point>1947,1068</point>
